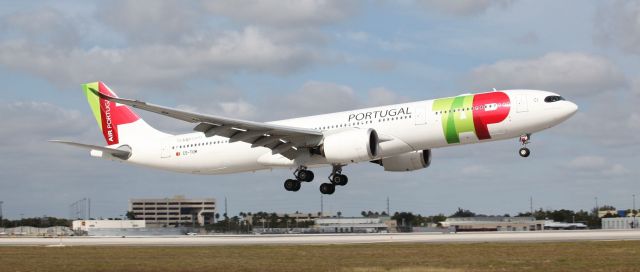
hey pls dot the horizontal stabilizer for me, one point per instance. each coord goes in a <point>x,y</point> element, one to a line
<point>118,153</point>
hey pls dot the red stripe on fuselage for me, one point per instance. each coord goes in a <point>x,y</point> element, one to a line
<point>482,118</point>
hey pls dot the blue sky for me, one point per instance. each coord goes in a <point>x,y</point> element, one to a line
<point>265,60</point>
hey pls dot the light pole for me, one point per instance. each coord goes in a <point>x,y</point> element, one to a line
<point>635,213</point>
<point>634,204</point>
<point>21,218</point>
<point>1,217</point>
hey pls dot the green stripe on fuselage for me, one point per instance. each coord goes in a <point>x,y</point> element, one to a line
<point>94,100</point>
<point>455,117</point>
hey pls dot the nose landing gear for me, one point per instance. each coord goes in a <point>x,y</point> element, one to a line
<point>524,140</point>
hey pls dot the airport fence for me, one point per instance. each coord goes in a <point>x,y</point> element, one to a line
<point>33,231</point>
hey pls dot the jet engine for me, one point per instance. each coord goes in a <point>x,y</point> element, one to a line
<point>409,161</point>
<point>350,146</point>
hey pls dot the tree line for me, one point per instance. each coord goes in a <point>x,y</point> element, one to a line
<point>246,221</point>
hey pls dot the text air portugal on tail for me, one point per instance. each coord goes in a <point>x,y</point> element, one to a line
<point>108,115</point>
<point>118,123</point>
<point>123,130</point>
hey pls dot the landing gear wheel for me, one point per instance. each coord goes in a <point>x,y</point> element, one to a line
<point>292,185</point>
<point>304,175</point>
<point>524,140</point>
<point>339,179</point>
<point>327,188</point>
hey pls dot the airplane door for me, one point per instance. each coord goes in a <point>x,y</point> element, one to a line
<point>521,103</point>
<point>165,151</point>
<point>421,115</point>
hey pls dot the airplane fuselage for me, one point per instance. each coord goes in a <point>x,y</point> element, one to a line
<point>402,128</point>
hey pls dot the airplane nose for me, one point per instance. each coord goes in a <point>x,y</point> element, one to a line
<point>568,110</point>
<point>572,108</point>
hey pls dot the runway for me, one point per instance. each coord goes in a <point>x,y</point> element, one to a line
<point>323,239</point>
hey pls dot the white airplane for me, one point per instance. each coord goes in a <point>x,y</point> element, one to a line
<point>397,137</point>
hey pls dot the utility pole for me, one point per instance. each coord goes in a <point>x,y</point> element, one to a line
<point>89,209</point>
<point>226,214</point>
<point>634,204</point>
<point>596,198</point>
<point>321,205</point>
<point>531,205</point>
<point>388,213</point>
<point>1,216</point>
<point>21,219</point>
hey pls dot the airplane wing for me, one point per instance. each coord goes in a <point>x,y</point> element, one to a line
<point>284,140</point>
<point>118,153</point>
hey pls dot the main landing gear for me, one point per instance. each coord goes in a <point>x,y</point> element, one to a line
<point>524,140</point>
<point>302,175</point>
<point>336,178</point>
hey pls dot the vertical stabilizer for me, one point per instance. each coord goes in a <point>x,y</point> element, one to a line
<point>118,123</point>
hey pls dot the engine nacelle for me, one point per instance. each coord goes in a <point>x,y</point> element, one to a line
<point>350,146</point>
<point>409,161</point>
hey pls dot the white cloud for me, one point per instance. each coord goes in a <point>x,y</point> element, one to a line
<point>380,96</point>
<point>358,36</point>
<point>635,86</point>
<point>289,13</point>
<point>476,170</point>
<point>395,45</point>
<point>596,164</point>
<point>43,25</point>
<point>528,38</point>
<point>617,24</point>
<point>566,73</point>
<point>463,7</point>
<point>151,21</point>
<point>34,123</point>
<point>238,109</point>
<point>607,121</point>
<point>317,97</point>
<point>158,66</point>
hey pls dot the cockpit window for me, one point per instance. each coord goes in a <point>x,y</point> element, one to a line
<point>553,98</point>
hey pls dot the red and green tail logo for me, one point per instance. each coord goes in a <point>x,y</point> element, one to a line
<point>471,113</point>
<point>108,115</point>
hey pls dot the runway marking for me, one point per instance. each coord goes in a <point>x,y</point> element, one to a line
<point>320,239</point>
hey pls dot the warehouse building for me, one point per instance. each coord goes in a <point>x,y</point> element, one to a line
<point>121,228</point>
<point>176,211</point>
<point>86,225</point>
<point>493,223</point>
<point>358,225</point>
<point>621,223</point>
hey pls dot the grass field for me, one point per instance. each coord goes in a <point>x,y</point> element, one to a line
<point>570,256</point>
